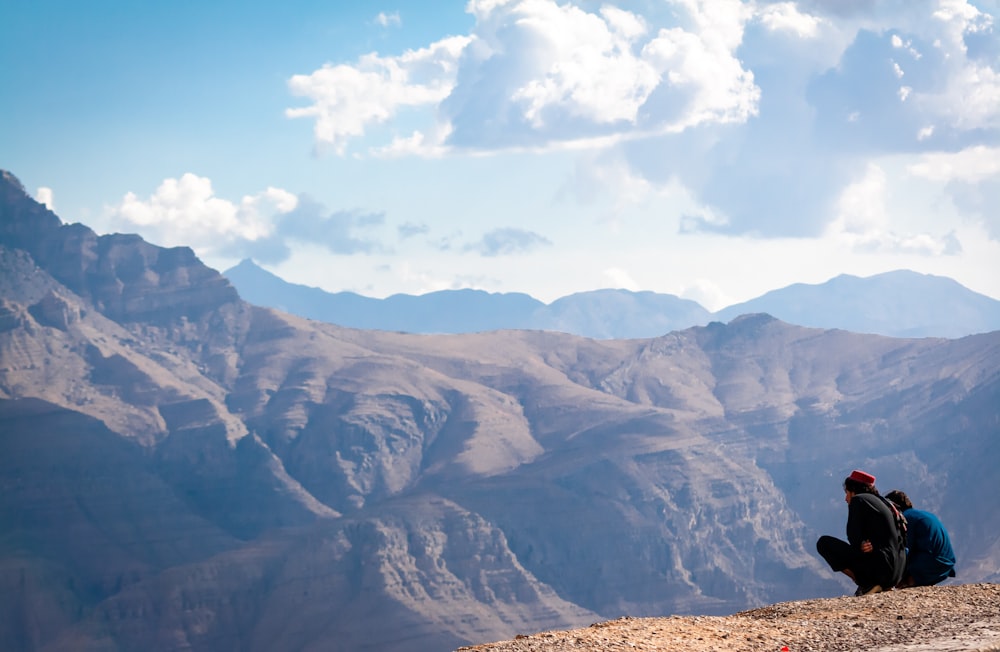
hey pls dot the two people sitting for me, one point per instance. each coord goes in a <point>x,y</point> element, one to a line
<point>883,550</point>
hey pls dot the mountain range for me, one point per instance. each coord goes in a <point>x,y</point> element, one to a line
<point>183,469</point>
<point>898,304</point>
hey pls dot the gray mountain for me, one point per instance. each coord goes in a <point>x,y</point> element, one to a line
<point>447,311</point>
<point>897,304</point>
<point>182,469</point>
<point>604,314</point>
<point>620,314</point>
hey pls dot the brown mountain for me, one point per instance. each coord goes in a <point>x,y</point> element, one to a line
<point>183,470</point>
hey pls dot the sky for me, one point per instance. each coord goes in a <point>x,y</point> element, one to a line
<point>710,149</point>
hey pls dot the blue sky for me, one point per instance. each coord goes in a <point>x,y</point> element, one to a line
<point>710,149</point>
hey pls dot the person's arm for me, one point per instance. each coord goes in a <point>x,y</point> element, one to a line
<point>855,524</point>
<point>859,529</point>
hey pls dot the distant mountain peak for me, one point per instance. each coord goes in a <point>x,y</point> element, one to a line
<point>23,221</point>
<point>248,264</point>
<point>10,180</point>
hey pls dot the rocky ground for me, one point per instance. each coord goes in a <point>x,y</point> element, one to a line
<point>940,619</point>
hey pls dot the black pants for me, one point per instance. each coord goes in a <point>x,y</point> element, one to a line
<point>840,555</point>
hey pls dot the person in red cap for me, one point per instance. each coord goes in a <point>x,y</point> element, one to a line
<point>874,554</point>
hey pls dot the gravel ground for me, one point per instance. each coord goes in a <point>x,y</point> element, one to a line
<point>948,618</point>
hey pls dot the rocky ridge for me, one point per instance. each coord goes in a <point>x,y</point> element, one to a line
<point>951,618</point>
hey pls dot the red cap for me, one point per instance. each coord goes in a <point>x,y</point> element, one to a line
<point>862,477</point>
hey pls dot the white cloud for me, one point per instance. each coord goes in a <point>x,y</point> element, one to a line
<point>704,61</point>
<point>706,293</point>
<point>864,221</point>
<point>537,73</point>
<point>862,209</point>
<point>971,96</point>
<point>44,195</point>
<point>385,20</point>
<point>620,279</point>
<point>972,100</point>
<point>900,44</point>
<point>960,13</point>
<point>973,164</point>
<point>428,144</point>
<point>347,99</point>
<point>590,70</point>
<point>971,180</point>
<point>786,17</point>
<point>760,110</point>
<point>596,177</point>
<point>186,211</point>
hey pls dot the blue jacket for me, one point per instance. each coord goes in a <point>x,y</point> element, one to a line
<point>930,558</point>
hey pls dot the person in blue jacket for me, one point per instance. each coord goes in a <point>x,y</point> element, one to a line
<point>874,555</point>
<point>930,558</point>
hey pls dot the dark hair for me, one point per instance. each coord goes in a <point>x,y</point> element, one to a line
<point>901,500</point>
<point>856,487</point>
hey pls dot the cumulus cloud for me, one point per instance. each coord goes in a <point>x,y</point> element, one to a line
<point>972,180</point>
<point>508,241</point>
<point>538,73</point>
<point>973,164</point>
<point>187,212</point>
<point>764,111</point>
<point>44,195</point>
<point>880,79</point>
<point>555,73</point>
<point>347,99</point>
<point>588,70</point>
<point>864,222</point>
<point>786,17</point>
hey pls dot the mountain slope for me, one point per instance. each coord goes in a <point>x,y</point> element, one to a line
<point>182,469</point>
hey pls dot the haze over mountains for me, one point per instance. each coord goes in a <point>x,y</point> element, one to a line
<point>898,304</point>
<point>182,469</point>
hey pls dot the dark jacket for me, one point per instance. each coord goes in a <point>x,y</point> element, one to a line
<point>869,518</point>
<point>931,558</point>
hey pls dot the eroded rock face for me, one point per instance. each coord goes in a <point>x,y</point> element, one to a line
<point>12,316</point>
<point>126,278</point>
<point>180,468</point>
<point>54,311</point>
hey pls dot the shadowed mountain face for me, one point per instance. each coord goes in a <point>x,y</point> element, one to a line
<point>182,470</point>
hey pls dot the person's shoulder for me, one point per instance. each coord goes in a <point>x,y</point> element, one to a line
<point>919,515</point>
<point>870,500</point>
